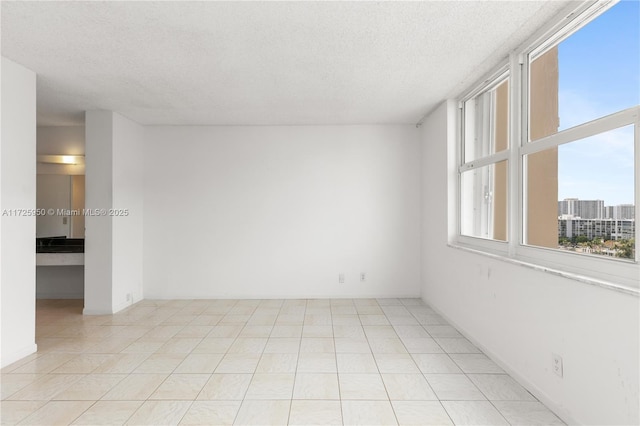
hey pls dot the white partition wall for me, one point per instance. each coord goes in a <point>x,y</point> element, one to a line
<point>98,229</point>
<point>281,211</point>
<point>113,237</point>
<point>127,226</point>
<point>17,230</point>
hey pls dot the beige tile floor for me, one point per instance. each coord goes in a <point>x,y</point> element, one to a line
<point>258,362</point>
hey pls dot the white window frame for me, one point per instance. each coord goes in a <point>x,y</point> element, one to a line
<point>489,83</point>
<point>609,272</point>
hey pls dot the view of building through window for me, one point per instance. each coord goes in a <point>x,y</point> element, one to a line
<point>578,163</point>
<point>604,226</point>
<point>590,75</point>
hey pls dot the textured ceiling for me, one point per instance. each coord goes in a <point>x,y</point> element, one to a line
<point>258,63</point>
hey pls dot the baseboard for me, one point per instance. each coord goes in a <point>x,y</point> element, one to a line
<point>121,306</point>
<point>86,311</point>
<point>542,396</point>
<point>18,355</point>
<point>283,297</point>
<point>111,311</point>
<point>60,295</point>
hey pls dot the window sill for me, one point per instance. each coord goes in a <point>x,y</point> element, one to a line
<point>564,274</point>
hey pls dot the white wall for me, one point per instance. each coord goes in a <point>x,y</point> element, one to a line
<point>58,140</point>
<point>113,242</point>
<point>60,282</point>
<point>18,191</point>
<point>271,212</point>
<point>62,140</point>
<point>98,229</point>
<point>520,316</point>
<point>128,159</point>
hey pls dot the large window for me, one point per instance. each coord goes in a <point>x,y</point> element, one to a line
<point>552,176</point>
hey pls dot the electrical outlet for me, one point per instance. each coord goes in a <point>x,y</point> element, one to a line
<point>341,278</point>
<point>363,276</point>
<point>556,364</point>
<point>128,297</point>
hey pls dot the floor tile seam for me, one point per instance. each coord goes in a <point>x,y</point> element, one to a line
<point>487,400</point>
<point>235,339</point>
<point>57,393</point>
<point>443,408</point>
<point>185,411</point>
<point>150,393</point>
<point>44,402</point>
<point>335,354</point>
<point>536,401</point>
<point>424,327</point>
<point>71,422</point>
<point>480,390</point>
<point>136,340</point>
<point>84,376</point>
<point>173,372</point>
<point>315,399</point>
<point>253,375</point>
<point>19,364</point>
<point>446,412</point>
<point>378,368</point>
<point>290,405</point>
<point>474,385</point>
<point>424,374</point>
<point>499,374</point>
<point>448,354</point>
<point>86,373</point>
<point>408,352</point>
<point>411,354</point>
<point>134,411</point>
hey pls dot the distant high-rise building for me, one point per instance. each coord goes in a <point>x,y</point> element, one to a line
<point>624,211</point>
<point>585,209</point>
<point>591,219</point>
<point>608,212</point>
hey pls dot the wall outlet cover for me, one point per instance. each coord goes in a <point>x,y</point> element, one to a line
<point>556,365</point>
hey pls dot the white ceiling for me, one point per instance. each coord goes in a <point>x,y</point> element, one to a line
<point>223,63</point>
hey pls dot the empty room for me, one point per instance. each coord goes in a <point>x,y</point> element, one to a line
<point>320,213</point>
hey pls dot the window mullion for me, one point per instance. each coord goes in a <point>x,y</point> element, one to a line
<point>485,161</point>
<point>601,125</point>
<point>517,112</point>
<point>636,134</point>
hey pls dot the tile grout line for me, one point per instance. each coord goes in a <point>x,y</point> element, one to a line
<point>295,373</point>
<point>335,352</point>
<point>376,363</point>
<point>419,369</point>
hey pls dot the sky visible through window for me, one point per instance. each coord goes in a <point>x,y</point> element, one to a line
<point>599,75</point>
